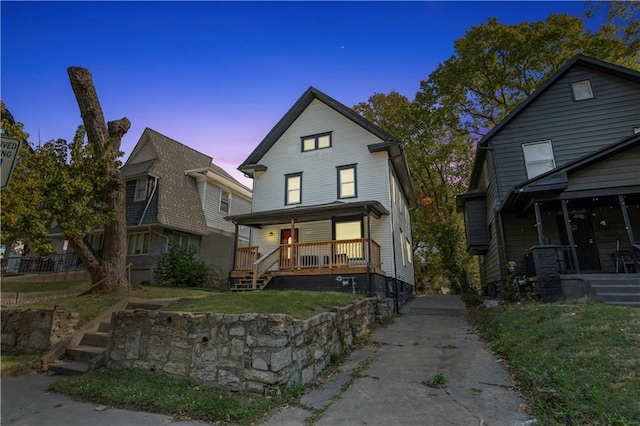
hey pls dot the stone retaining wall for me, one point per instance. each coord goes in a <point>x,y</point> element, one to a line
<point>35,331</point>
<point>253,352</point>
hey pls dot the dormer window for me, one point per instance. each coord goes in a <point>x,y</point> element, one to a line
<point>314,142</point>
<point>581,90</point>
<point>143,188</point>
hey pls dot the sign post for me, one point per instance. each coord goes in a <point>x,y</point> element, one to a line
<point>10,147</point>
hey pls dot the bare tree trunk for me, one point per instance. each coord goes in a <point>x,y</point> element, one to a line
<point>106,139</point>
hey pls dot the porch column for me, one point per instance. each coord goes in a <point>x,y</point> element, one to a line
<point>627,226</point>
<point>235,247</point>
<point>294,255</point>
<point>572,244</point>
<point>536,208</point>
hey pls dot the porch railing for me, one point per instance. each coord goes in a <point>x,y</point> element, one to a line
<point>564,258</point>
<point>37,265</point>
<point>262,265</point>
<point>318,255</point>
<point>245,257</point>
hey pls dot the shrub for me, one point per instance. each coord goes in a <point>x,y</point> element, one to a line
<point>179,267</point>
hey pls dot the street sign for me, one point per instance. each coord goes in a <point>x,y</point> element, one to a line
<point>10,147</point>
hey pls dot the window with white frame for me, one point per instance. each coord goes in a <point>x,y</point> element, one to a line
<point>314,142</point>
<point>347,181</point>
<point>143,188</point>
<point>293,189</point>
<point>581,90</point>
<point>224,201</point>
<point>185,240</point>
<point>538,158</point>
<point>138,243</point>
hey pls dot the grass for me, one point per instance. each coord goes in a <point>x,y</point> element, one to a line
<point>19,365</point>
<point>300,304</point>
<point>158,393</point>
<point>31,287</point>
<point>577,363</point>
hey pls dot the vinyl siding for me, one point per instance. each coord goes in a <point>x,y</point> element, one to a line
<point>320,183</point>
<point>476,222</point>
<point>574,128</point>
<point>145,153</point>
<point>215,218</point>
<point>619,170</point>
<point>319,175</point>
<point>491,267</point>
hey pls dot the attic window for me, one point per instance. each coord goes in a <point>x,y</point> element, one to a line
<point>314,142</point>
<point>538,157</point>
<point>581,90</point>
<point>636,130</point>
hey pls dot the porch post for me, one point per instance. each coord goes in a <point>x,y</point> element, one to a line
<point>572,244</point>
<point>368,251</point>
<point>235,248</point>
<point>294,255</point>
<point>627,226</point>
<point>536,208</point>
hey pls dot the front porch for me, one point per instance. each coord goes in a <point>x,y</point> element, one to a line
<point>253,270</point>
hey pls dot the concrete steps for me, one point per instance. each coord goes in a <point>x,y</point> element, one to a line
<point>621,289</point>
<point>87,351</point>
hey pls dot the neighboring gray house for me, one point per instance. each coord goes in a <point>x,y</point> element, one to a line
<point>331,201</point>
<point>176,192</point>
<point>555,187</point>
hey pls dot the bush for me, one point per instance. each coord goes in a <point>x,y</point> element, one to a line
<point>179,267</point>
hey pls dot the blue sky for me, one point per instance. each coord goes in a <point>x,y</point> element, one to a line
<point>217,76</point>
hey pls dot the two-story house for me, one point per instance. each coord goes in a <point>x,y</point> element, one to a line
<point>555,187</point>
<point>331,200</point>
<point>176,192</point>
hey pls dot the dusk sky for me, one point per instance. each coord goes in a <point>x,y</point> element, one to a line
<point>217,76</point>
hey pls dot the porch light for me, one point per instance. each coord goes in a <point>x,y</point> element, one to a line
<point>271,233</point>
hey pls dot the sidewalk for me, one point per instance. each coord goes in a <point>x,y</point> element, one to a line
<point>430,337</point>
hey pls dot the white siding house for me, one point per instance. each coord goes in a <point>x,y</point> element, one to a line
<point>332,176</point>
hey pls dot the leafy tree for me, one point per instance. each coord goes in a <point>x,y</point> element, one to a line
<point>179,267</point>
<point>76,186</point>
<point>440,164</point>
<point>495,66</point>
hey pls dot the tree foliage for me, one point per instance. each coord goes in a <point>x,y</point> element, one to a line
<point>179,267</point>
<point>494,67</point>
<point>76,187</point>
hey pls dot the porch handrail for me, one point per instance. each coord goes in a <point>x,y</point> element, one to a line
<point>245,256</point>
<point>263,264</point>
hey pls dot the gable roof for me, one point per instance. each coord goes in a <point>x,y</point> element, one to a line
<point>390,143</point>
<point>582,60</point>
<point>557,179</point>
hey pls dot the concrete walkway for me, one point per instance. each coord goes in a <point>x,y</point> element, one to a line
<point>431,337</point>
<point>385,385</point>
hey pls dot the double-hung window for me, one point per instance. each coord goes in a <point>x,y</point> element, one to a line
<point>224,201</point>
<point>138,243</point>
<point>347,181</point>
<point>293,189</point>
<point>538,158</point>
<point>314,142</point>
<point>143,188</point>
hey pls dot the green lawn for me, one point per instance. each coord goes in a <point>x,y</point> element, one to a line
<point>19,365</point>
<point>577,363</point>
<point>155,392</point>
<point>31,287</point>
<point>300,304</point>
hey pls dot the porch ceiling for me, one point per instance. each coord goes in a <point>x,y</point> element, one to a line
<point>310,213</point>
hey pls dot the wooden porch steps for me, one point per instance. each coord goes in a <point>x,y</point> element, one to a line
<point>619,289</point>
<point>246,283</point>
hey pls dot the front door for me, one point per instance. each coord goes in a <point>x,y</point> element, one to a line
<point>287,251</point>
<point>584,239</point>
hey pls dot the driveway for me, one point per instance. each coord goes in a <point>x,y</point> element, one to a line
<point>431,337</point>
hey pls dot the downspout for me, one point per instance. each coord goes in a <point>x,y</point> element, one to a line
<point>368,251</point>
<point>155,185</point>
<point>396,302</point>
